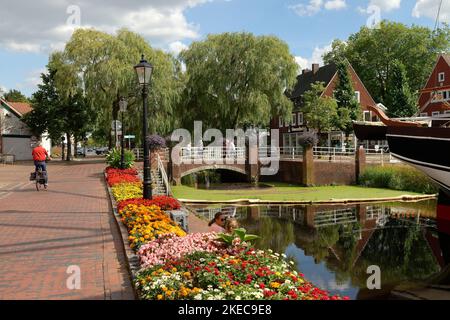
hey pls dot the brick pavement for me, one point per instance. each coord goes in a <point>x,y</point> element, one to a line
<point>43,233</point>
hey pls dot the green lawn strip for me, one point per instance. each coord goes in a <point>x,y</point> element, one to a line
<point>285,192</point>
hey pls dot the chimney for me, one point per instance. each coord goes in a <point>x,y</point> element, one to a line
<point>315,68</point>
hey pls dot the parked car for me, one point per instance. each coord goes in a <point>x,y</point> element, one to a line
<point>101,151</point>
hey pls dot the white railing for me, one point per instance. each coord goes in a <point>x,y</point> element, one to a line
<point>286,153</point>
<point>211,153</point>
<point>209,213</point>
<point>165,179</point>
<point>335,217</point>
<point>334,154</point>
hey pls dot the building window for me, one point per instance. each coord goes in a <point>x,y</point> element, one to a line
<point>294,119</point>
<point>358,96</point>
<point>447,112</point>
<point>436,113</point>
<point>424,114</point>
<point>280,122</point>
<point>367,116</point>
<point>300,118</point>
<point>441,77</point>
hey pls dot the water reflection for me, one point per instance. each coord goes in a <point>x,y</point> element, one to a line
<point>334,245</point>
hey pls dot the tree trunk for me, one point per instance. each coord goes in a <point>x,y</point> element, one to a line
<point>76,147</point>
<point>69,147</point>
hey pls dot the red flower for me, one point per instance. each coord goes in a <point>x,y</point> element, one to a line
<point>262,285</point>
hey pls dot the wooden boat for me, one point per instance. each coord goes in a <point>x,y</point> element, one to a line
<point>416,143</point>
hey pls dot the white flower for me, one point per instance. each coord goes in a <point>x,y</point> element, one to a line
<point>238,298</point>
<point>292,262</point>
<point>198,297</point>
<point>284,256</point>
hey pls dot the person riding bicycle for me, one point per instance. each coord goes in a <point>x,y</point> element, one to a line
<point>40,155</point>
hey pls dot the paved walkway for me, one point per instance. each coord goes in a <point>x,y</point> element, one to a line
<point>43,233</point>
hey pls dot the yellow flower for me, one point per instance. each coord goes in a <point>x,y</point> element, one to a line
<point>275,285</point>
<point>159,297</point>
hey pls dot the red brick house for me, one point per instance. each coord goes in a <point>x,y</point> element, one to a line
<point>434,99</point>
<point>328,75</point>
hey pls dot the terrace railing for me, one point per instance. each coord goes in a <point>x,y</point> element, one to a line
<point>211,154</point>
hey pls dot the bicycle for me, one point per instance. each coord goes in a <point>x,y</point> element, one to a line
<point>40,177</point>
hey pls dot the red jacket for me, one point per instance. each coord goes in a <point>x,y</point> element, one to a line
<point>39,154</point>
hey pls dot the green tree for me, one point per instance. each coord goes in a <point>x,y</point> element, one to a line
<point>237,79</point>
<point>104,64</point>
<point>57,114</point>
<point>319,112</point>
<point>400,101</point>
<point>348,108</point>
<point>15,96</point>
<point>372,53</point>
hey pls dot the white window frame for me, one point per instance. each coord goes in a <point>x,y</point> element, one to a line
<point>370,116</point>
<point>424,114</point>
<point>300,119</point>
<point>435,114</point>
<point>441,76</point>
<point>294,119</point>
<point>358,96</point>
<point>447,112</point>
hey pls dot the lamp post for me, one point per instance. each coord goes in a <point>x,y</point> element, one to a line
<point>144,72</point>
<point>63,139</point>
<point>123,104</point>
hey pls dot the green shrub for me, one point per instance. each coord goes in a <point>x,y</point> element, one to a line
<point>114,156</point>
<point>403,178</point>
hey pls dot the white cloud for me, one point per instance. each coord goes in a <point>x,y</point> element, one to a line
<point>314,6</point>
<point>429,8</point>
<point>386,5</point>
<point>316,57</point>
<point>46,25</point>
<point>32,80</point>
<point>335,4</point>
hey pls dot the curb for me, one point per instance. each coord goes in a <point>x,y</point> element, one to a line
<point>131,258</point>
<point>403,198</point>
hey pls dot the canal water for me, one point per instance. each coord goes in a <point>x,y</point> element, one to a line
<point>333,246</point>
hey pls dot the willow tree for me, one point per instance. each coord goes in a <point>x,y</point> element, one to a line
<point>237,80</point>
<point>104,63</point>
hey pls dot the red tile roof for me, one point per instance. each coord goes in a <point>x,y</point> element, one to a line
<point>20,107</point>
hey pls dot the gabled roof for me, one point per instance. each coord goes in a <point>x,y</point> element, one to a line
<point>19,108</point>
<point>304,81</point>
<point>446,58</point>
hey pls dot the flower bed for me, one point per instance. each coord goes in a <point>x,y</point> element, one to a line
<point>164,202</point>
<point>247,275</point>
<point>147,223</point>
<point>200,266</point>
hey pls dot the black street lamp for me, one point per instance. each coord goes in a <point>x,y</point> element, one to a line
<point>144,72</point>
<point>123,104</point>
<point>63,140</point>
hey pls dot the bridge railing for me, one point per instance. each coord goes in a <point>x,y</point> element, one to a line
<point>212,153</point>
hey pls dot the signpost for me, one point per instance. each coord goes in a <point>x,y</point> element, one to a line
<point>129,137</point>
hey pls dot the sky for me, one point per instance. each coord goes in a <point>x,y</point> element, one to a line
<point>31,30</point>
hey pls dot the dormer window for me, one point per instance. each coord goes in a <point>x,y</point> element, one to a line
<point>441,77</point>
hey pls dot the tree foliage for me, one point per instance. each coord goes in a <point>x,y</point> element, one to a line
<point>15,96</point>
<point>400,101</point>
<point>319,112</point>
<point>372,53</point>
<point>104,64</point>
<point>237,80</point>
<point>348,108</point>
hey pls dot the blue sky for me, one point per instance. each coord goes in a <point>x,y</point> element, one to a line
<point>308,26</point>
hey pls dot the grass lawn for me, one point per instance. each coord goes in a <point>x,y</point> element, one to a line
<point>286,192</point>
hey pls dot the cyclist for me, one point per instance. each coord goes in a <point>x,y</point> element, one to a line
<point>40,155</point>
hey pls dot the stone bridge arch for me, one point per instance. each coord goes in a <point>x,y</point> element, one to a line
<point>183,170</point>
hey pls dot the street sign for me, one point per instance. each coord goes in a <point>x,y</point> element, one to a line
<point>130,137</point>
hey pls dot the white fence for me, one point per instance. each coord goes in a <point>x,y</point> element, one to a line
<point>139,154</point>
<point>212,153</point>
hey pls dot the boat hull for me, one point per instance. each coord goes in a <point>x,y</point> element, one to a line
<point>370,132</point>
<point>427,149</point>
